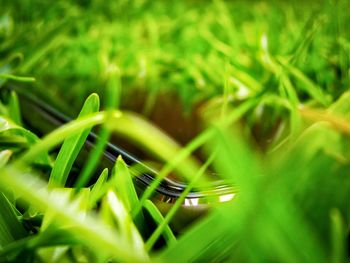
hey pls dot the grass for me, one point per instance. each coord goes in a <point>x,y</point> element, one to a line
<point>269,84</point>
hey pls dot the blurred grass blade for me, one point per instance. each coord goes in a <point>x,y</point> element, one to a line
<point>159,220</point>
<point>51,38</point>
<point>63,196</point>
<point>17,78</point>
<point>60,134</point>
<point>210,236</point>
<point>4,157</point>
<point>7,126</point>
<point>156,142</point>
<point>338,237</point>
<point>115,211</point>
<point>14,110</point>
<point>171,165</point>
<point>11,229</point>
<point>88,230</point>
<point>72,146</point>
<point>197,142</point>
<point>341,107</point>
<point>163,222</point>
<point>113,88</point>
<point>339,123</point>
<point>310,87</point>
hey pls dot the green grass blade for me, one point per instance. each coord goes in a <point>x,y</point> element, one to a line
<point>124,185</point>
<point>163,224</point>
<point>315,91</point>
<point>341,107</point>
<point>338,237</point>
<point>115,212</point>
<point>10,227</point>
<point>17,78</point>
<point>197,142</point>
<point>113,88</point>
<point>14,109</point>
<point>4,157</point>
<point>153,140</point>
<point>57,136</point>
<point>99,188</point>
<point>164,230</point>
<point>113,91</point>
<point>9,127</point>
<point>72,146</point>
<point>171,165</point>
<point>207,242</point>
<point>88,230</point>
<point>93,158</point>
<point>125,188</point>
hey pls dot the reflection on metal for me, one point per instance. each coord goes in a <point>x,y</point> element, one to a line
<point>226,198</point>
<point>191,202</point>
<point>201,201</point>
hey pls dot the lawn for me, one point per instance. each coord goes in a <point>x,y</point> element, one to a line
<point>233,118</point>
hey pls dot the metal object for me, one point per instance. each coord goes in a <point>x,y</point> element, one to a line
<point>168,191</point>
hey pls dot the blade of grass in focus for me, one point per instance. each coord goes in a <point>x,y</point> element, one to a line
<point>99,188</point>
<point>113,91</point>
<point>125,187</point>
<point>71,147</point>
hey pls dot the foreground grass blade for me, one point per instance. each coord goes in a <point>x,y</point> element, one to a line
<point>7,126</point>
<point>88,230</point>
<point>11,228</point>
<point>99,188</point>
<point>14,110</point>
<point>114,211</point>
<point>4,157</point>
<point>57,136</point>
<point>339,123</point>
<point>163,223</point>
<point>125,187</point>
<point>72,146</point>
<point>125,124</point>
<point>165,230</point>
<point>205,239</point>
<point>77,206</point>
<point>233,228</point>
<point>342,106</point>
<point>338,238</point>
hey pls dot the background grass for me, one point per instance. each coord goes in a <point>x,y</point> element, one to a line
<point>268,82</point>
